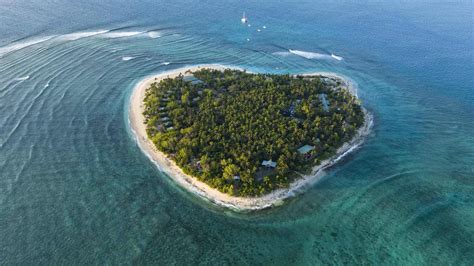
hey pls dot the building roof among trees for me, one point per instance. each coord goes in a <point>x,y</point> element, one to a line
<point>324,100</point>
<point>192,79</point>
<point>305,149</point>
<point>269,163</point>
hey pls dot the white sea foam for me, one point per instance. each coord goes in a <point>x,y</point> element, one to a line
<point>23,44</point>
<point>79,35</point>
<point>154,34</point>
<point>121,34</point>
<point>165,63</point>
<point>22,78</point>
<point>310,55</point>
<point>128,58</point>
<point>72,37</point>
<point>282,53</point>
<point>339,58</point>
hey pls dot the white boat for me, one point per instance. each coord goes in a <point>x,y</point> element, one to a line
<point>244,18</point>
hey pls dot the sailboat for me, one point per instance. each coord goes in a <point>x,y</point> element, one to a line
<point>244,18</point>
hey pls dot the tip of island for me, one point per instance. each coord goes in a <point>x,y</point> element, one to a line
<point>246,141</point>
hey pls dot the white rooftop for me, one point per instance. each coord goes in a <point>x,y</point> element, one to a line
<point>269,163</point>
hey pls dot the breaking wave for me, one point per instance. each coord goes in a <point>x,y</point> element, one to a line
<point>20,45</point>
<point>282,53</point>
<point>309,55</point>
<point>339,58</point>
<point>121,34</point>
<point>79,35</point>
<point>154,34</point>
<point>127,58</point>
<point>22,78</point>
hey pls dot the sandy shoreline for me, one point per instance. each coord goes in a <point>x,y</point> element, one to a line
<point>203,190</point>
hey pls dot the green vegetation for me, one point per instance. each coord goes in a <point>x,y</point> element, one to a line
<point>220,125</point>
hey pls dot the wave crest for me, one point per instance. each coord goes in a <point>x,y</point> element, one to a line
<point>154,34</point>
<point>121,34</point>
<point>339,58</point>
<point>22,78</point>
<point>282,53</point>
<point>79,35</point>
<point>309,55</point>
<point>20,45</point>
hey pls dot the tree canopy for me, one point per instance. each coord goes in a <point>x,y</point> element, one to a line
<point>219,126</point>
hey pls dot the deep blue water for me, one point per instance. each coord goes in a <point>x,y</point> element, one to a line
<point>74,186</point>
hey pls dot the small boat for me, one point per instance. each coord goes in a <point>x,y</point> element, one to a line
<point>244,18</point>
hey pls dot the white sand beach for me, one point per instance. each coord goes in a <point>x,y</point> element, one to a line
<point>193,185</point>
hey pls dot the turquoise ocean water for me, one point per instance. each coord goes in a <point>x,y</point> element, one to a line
<point>74,186</point>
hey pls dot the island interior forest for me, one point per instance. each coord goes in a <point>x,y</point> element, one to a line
<point>247,134</point>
